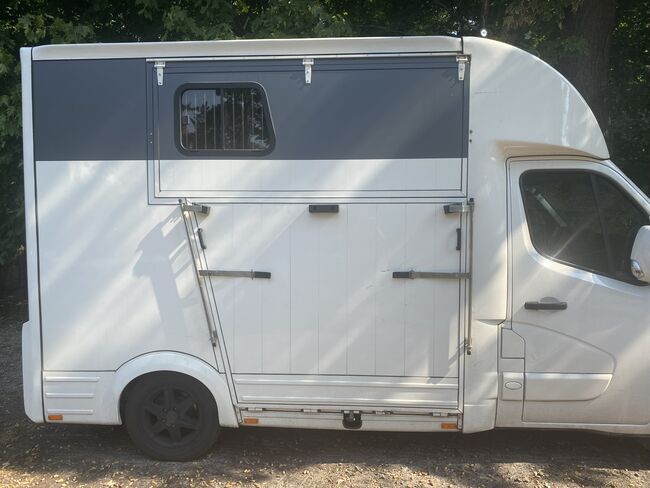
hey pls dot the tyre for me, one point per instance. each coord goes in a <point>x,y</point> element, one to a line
<point>171,416</point>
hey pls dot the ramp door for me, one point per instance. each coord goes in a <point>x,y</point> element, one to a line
<point>335,271</point>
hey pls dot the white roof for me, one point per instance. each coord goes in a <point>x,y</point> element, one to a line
<point>252,47</point>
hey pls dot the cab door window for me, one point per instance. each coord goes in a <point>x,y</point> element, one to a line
<point>582,219</point>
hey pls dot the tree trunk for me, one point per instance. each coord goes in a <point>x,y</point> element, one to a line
<point>594,23</point>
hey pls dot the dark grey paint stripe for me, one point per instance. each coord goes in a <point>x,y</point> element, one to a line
<point>394,108</point>
<point>354,109</point>
<point>89,109</point>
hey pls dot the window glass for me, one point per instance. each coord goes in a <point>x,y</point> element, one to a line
<point>224,119</point>
<point>581,219</point>
<point>563,218</point>
<point>621,222</point>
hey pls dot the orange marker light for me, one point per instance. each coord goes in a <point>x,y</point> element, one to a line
<point>448,426</point>
<point>251,421</point>
<point>55,417</point>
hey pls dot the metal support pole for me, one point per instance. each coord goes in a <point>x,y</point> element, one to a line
<point>470,271</point>
<point>467,208</point>
<point>185,209</point>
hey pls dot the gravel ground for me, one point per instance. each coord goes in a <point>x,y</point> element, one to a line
<point>92,456</point>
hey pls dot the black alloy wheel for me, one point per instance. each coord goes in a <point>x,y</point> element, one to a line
<point>171,416</point>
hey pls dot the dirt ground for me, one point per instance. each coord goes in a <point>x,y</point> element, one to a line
<point>63,455</point>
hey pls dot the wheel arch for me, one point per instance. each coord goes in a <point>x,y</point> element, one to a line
<point>177,362</point>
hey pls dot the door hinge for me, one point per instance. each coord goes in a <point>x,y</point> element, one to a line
<point>462,62</point>
<point>214,339</point>
<point>308,63</point>
<point>160,67</point>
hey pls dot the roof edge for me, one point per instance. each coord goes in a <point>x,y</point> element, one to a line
<point>252,47</point>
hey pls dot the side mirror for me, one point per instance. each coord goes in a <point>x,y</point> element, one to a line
<point>640,260</point>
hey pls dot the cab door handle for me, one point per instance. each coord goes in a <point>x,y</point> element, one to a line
<point>545,305</point>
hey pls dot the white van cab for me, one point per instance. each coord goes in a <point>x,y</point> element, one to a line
<point>398,234</point>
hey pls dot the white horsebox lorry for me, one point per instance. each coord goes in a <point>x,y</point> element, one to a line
<point>398,234</point>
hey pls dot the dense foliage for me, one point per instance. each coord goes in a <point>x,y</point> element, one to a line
<point>602,46</point>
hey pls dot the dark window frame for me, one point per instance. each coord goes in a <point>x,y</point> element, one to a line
<point>594,189</point>
<point>222,152</point>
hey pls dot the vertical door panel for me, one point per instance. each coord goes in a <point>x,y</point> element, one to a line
<point>248,245</point>
<point>304,295</point>
<point>420,244</point>
<point>332,305</point>
<point>390,293</point>
<point>362,275</point>
<point>332,293</point>
<point>275,257</point>
<point>430,246</point>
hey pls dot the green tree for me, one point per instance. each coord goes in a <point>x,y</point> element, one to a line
<point>629,91</point>
<point>602,46</point>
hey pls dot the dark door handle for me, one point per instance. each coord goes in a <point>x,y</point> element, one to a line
<point>545,305</point>
<point>334,208</point>
<point>199,232</point>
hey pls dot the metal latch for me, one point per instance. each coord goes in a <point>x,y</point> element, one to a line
<point>252,274</point>
<point>195,207</point>
<point>160,66</point>
<point>460,207</point>
<point>412,275</point>
<point>462,62</point>
<point>308,63</point>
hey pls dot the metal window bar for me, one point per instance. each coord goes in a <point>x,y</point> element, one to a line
<point>183,116</point>
<point>222,123</point>
<point>205,119</point>
<point>214,117</point>
<point>240,124</point>
<point>251,135</point>
<point>233,135</point>
<point>196,123</point>
<point>262,128</point>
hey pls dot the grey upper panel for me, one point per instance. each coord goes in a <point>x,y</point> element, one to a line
<point>354,108</point>
<point>90,109</point>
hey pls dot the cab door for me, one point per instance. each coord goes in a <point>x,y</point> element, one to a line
<point>583,317</point>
